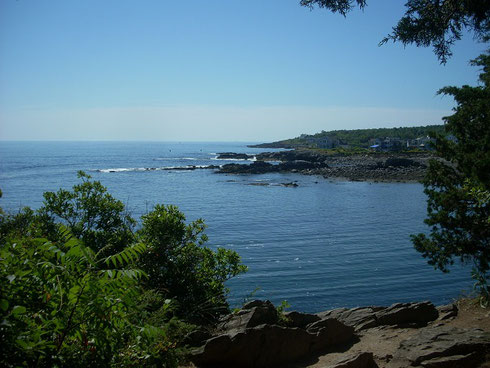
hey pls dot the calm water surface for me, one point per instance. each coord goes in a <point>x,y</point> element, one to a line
<point>321,245</point>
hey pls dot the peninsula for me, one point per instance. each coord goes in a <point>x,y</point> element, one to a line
<point>387,154</point>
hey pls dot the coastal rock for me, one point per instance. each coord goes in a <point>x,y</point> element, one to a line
<point>330,332</point>
<point>443,346</point>
<point>407,313</point>
<point>252,338</point>
<point>251,315</point>
<point>301,320</point>
<point>417,314</point>
<point>358,318</point>
<point>297,165</point>
<point>447,311</point>
<point>197,337</point>
<point>291,185</point>
<point>234,156</point>
<point>361,360</point>
<point>261,346</point>
<point>292,155</point>
<point>270,345</point>
<point>258,167</point>
<point>400,162</point>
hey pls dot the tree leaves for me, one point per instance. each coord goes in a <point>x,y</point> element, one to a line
<point>458,185</point>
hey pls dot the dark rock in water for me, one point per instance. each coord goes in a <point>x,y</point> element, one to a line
<point>258,167</point>
<point>407,313</point>
<point>447,311</point>
<point>234,156</point>
<point>445,347</point>
<point>297,165</point>
<point>292,184</point>
<point>292,155</point>
<point>361,360</point>
<point>301,320</point>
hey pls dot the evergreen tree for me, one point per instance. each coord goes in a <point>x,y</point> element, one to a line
<point>428,22</point>
<point>458,185</point>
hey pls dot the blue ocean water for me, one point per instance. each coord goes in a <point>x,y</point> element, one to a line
<point>321,245</point>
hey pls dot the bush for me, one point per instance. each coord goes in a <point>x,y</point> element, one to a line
<point>80,287</point>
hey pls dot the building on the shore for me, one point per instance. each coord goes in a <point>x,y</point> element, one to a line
<point>423,143</point>
<point>386,144</point>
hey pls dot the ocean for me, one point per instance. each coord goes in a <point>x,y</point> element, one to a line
<point>323,244</point>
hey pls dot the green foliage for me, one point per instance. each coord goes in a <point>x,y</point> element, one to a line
<point>281,309</point>
<point>59,307</point>
<point>340,6</point>
<point>440,24</point>
<point>458,185</point>
<point>427,22</point>
<point>91,213</point>
<point>359,138</point>
<point>179,265</point>
<point>80,287</point>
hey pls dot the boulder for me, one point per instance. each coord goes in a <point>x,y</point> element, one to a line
<point>330,332</point>
<point>270,345</point>
<point>301,320</point>
<point>359,318</point>
<point>439,345</point>
<point>407,313</point>
<point>447,311</point>
<point>261,346</point>
<point>397,314</point>
<point>253,314</point>
<point>361,360</point>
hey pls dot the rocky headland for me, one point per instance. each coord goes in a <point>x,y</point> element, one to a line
<point>391,167</point>
<point>401,335</point>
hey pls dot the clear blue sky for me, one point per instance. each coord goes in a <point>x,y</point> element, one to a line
<point>222,70</point>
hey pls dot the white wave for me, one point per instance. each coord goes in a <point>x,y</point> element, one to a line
<point>122,169</point>
<point>175,158</point>
<point>164,168</point>
<point>234,159</point>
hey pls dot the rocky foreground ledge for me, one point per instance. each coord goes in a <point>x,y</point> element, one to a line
<point>402,335</point>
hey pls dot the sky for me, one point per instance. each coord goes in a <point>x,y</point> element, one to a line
<point>214,70</point>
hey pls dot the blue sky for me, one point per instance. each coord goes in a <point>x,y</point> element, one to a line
<point>214,70</point>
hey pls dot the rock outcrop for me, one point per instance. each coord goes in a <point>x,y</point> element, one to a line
<point>234,156</point>
<point>415,314</point>
<point>398,336</point>
<point>441,346</point>
<point>355,167</point>
<point>252,338</point>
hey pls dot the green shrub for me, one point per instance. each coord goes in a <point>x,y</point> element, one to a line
<point>80,287</point>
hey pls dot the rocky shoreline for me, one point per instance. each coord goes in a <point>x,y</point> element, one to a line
<point>385,167</point>
<point>401,335</point>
